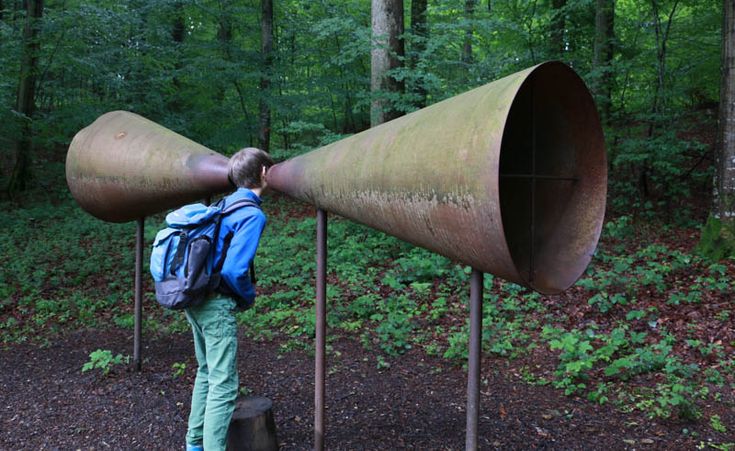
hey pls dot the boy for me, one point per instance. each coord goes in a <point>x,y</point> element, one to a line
<point>213,322</point>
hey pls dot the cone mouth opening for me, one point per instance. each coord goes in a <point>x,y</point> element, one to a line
<point>552,178</point>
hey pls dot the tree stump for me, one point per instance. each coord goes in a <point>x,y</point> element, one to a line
<point>252,427</point>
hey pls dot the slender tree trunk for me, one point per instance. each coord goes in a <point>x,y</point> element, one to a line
<point>178,32</point>
<point>662,39</point>
<point>224,39</point>
<point>557,28</point>
<point>469,15</point>
<point>26,98</point>
<point>420,32</point>
<point>659,97</point>
<point>349,124</point>
<point>224,33</point>
<point>2,19</point>
<point>386,54</point>
<point>603,54</point>
<point>266,47</point>
<point>725,171</point>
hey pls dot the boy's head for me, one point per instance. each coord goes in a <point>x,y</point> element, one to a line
<point>248,167</point>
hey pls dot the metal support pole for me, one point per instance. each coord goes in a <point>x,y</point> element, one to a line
<point>321,327</point>
<point>473,370</point>
<point>138,315</point>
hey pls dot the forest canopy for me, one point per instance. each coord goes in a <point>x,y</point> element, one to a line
<point>198,67</point>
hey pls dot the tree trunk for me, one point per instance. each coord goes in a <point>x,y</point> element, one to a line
<point>26,99</point>
<point>557,27</point>
<point>420,32</point>
<point>662,38</point>
<point>178,32</point>
<point>603,54</point>
<point>266,47</point>
<point>717,241</point>
<point>224,39</point>
<point>659,97</point>
<point>385,55</point>
<point>469,14</point>
<point>725,170</point>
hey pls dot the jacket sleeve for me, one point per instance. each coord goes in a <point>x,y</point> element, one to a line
<point>239,255</point>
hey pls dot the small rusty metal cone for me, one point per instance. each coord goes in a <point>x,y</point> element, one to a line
<point>509,178</point>
<point>123,167</point>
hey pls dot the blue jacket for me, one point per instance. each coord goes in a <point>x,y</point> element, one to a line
<point>246,225</point>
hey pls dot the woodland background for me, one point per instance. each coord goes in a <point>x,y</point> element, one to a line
<point>203,69</point>
<point>648,329</point>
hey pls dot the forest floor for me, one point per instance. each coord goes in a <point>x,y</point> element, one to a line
<point>416,403</point>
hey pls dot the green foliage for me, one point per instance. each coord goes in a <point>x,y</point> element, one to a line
<point>58,267</point>
<point>179,368</point>
<point>622,355</point>
<point>619,229</point>
<point>716,422</point>
<point>605,301</point>
<point>614,282</point>
<point>662,161</point>
<point>718,446</point>
<point>718,240</point>
<point>103,360</point>
<point>205,83</point>
<point>245,391</point>
<point>420,265</point>
<point>668,398</point>
<point>458,342</point>
<point>395,324</point>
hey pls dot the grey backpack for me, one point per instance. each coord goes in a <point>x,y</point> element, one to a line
<point>184,266</point>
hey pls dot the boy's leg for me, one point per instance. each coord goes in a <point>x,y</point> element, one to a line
<point>195,429</point>
<point>220,331</point>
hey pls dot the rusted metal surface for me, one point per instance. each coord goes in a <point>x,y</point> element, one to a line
<point>473,362</point>
<point>509,178</point>
<point>138,308</point>
<point>123,167</point>
<point>321,329</point>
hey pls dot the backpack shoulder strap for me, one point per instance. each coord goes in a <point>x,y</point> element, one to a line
<point>239,204</point>
<point>229,209</point>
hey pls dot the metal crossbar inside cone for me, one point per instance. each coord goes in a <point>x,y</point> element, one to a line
<point>509,178</point>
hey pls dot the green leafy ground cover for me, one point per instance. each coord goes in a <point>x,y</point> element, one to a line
<point>649,327</point>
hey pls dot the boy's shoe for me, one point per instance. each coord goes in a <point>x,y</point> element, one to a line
<point>194,447</point>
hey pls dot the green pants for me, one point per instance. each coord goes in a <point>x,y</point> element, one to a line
<point>215,387</point>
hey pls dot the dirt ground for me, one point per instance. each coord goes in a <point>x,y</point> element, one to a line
<point>417,403</point>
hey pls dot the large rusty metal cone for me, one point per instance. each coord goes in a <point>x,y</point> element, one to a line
<point>124,167</point>
<point>509,178</point>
